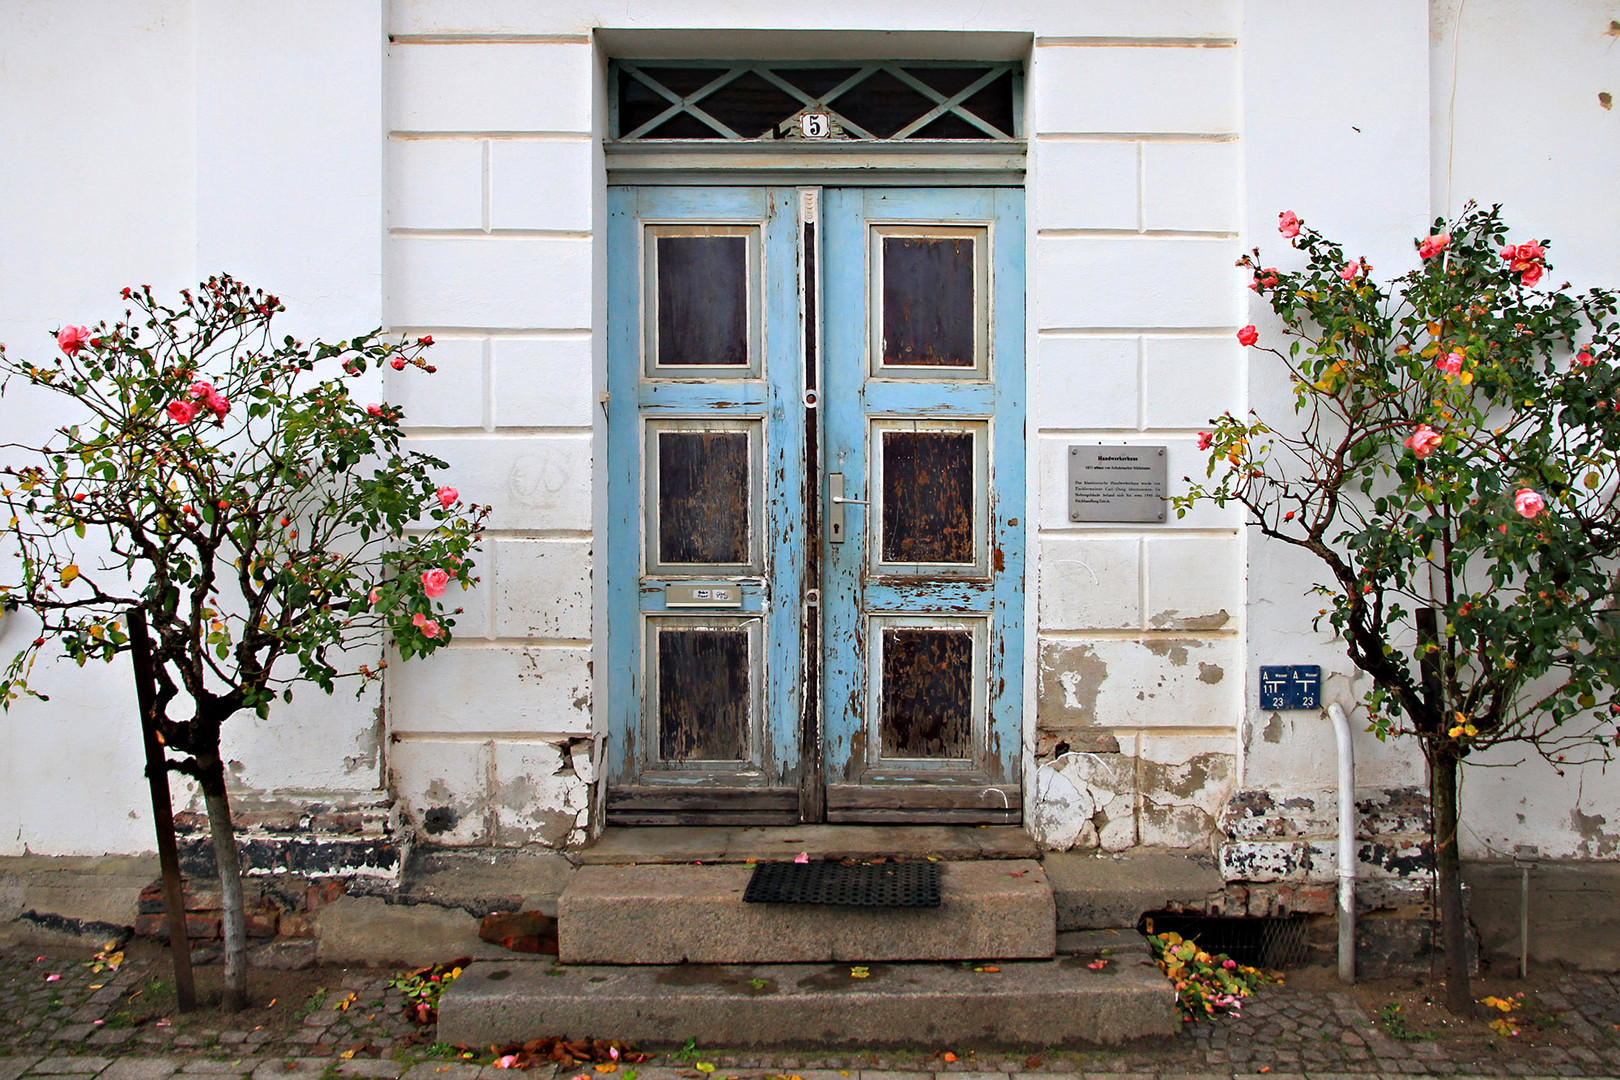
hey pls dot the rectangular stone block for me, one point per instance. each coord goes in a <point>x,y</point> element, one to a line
<point>535,690</point>
<point>1131,89</point>
<point>1086,382</point>
<point>1089,584</point>
<point>1190,380</point>
<point>516,282</point>
<point>543,382</point>
<point>508,86</point>
<point>443,788</point>
<point>543,589</point>
<point>1194,583</point>
<point>696,914</point>
<point>538,798</point>
<point>1148,682</point>
<point>452,396</point>
<point>1084,185</point>
<point>543,184</point>
<point>532,481</point>
<point>1191,185</point>
<point>436,184</point>
<point>1109,282</point>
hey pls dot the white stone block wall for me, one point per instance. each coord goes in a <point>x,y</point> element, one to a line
<point>434,166</point>
<point>490,249</point>
<point>1134,165</point>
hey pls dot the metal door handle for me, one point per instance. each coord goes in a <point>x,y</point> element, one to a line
<point>835,511</point>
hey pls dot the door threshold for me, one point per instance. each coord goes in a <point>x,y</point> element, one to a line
<point>740,843</point>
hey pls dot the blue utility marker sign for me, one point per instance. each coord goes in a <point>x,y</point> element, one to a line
<point>1290,686</point>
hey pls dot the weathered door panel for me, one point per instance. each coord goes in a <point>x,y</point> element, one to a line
<point>724,518</point>
<point>924,418</point>
<point>706,551</point>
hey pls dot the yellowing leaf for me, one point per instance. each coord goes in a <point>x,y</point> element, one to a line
<point>704,1066</point>
<point>69,572</point>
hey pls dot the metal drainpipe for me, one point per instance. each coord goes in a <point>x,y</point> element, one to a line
<point>1347,845</point>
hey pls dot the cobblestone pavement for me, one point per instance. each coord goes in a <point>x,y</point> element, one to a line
<point>77,1026</point>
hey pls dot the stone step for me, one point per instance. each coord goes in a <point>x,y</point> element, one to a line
<point>738,843</point>
<point>1018,1003</point>
<point>999,909</point>
<point>1096,892</point>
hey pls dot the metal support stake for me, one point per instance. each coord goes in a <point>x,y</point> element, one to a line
<point>157,778</point>
<point>1525,856</point>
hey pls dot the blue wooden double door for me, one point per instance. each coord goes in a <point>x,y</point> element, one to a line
<point>815,555</point>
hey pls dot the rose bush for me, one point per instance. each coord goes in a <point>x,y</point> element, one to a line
<point>1452,464</point>
<point>229,488</point>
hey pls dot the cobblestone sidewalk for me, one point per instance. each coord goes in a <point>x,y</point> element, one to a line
<point>76,1027</point>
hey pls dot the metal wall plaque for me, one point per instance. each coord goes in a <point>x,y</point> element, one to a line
<point>703,594</point>
<point>1116,483</point>
<point>1290,686</point>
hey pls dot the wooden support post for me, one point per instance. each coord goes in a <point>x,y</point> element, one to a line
<point>157,778</point>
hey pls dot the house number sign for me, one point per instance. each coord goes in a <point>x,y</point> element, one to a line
<point>815,125</point>
<point>1116,483</point>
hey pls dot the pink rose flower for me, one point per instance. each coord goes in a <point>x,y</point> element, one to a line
<point>1451,363</point>
<point>425,339</point>
<point>374,595</point>
<point>1529,503</point>
<point>374,409</point>
<point>1584,359</point>
<point>434,581</point>
<point>1288,224</point>
<point>1351,270</point>
<point>430,628</point>
<point>219,403</point>
<point>1434,245</point>
<point>202,390</point>
<point>72,338</point>
<point>182,412</point>
<point>1423,442</point>
<point>1248,335</point>
<point>447,496</point>
<point>419,619</point>
<point>1206,439</point>
<point>1527,260</point>
<point>397,363</point>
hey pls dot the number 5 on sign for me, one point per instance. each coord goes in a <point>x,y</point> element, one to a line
<point>814,125</point>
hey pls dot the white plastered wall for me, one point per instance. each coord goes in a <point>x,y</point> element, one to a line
<point>451,183</point>
<point>159,142</point>
<point>1547,149</point>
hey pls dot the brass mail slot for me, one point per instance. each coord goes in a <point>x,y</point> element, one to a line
<point>703,594</point>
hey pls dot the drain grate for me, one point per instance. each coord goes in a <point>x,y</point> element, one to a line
<point>1277,942</point>
<point>906,885</point>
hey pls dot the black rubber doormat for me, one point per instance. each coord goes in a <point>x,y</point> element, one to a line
<point>904,885</point>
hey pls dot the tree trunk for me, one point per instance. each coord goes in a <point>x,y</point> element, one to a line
<point>1443,800</point>
<point>230,882</point>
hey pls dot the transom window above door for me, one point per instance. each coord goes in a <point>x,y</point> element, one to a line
<point>865,101</point>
